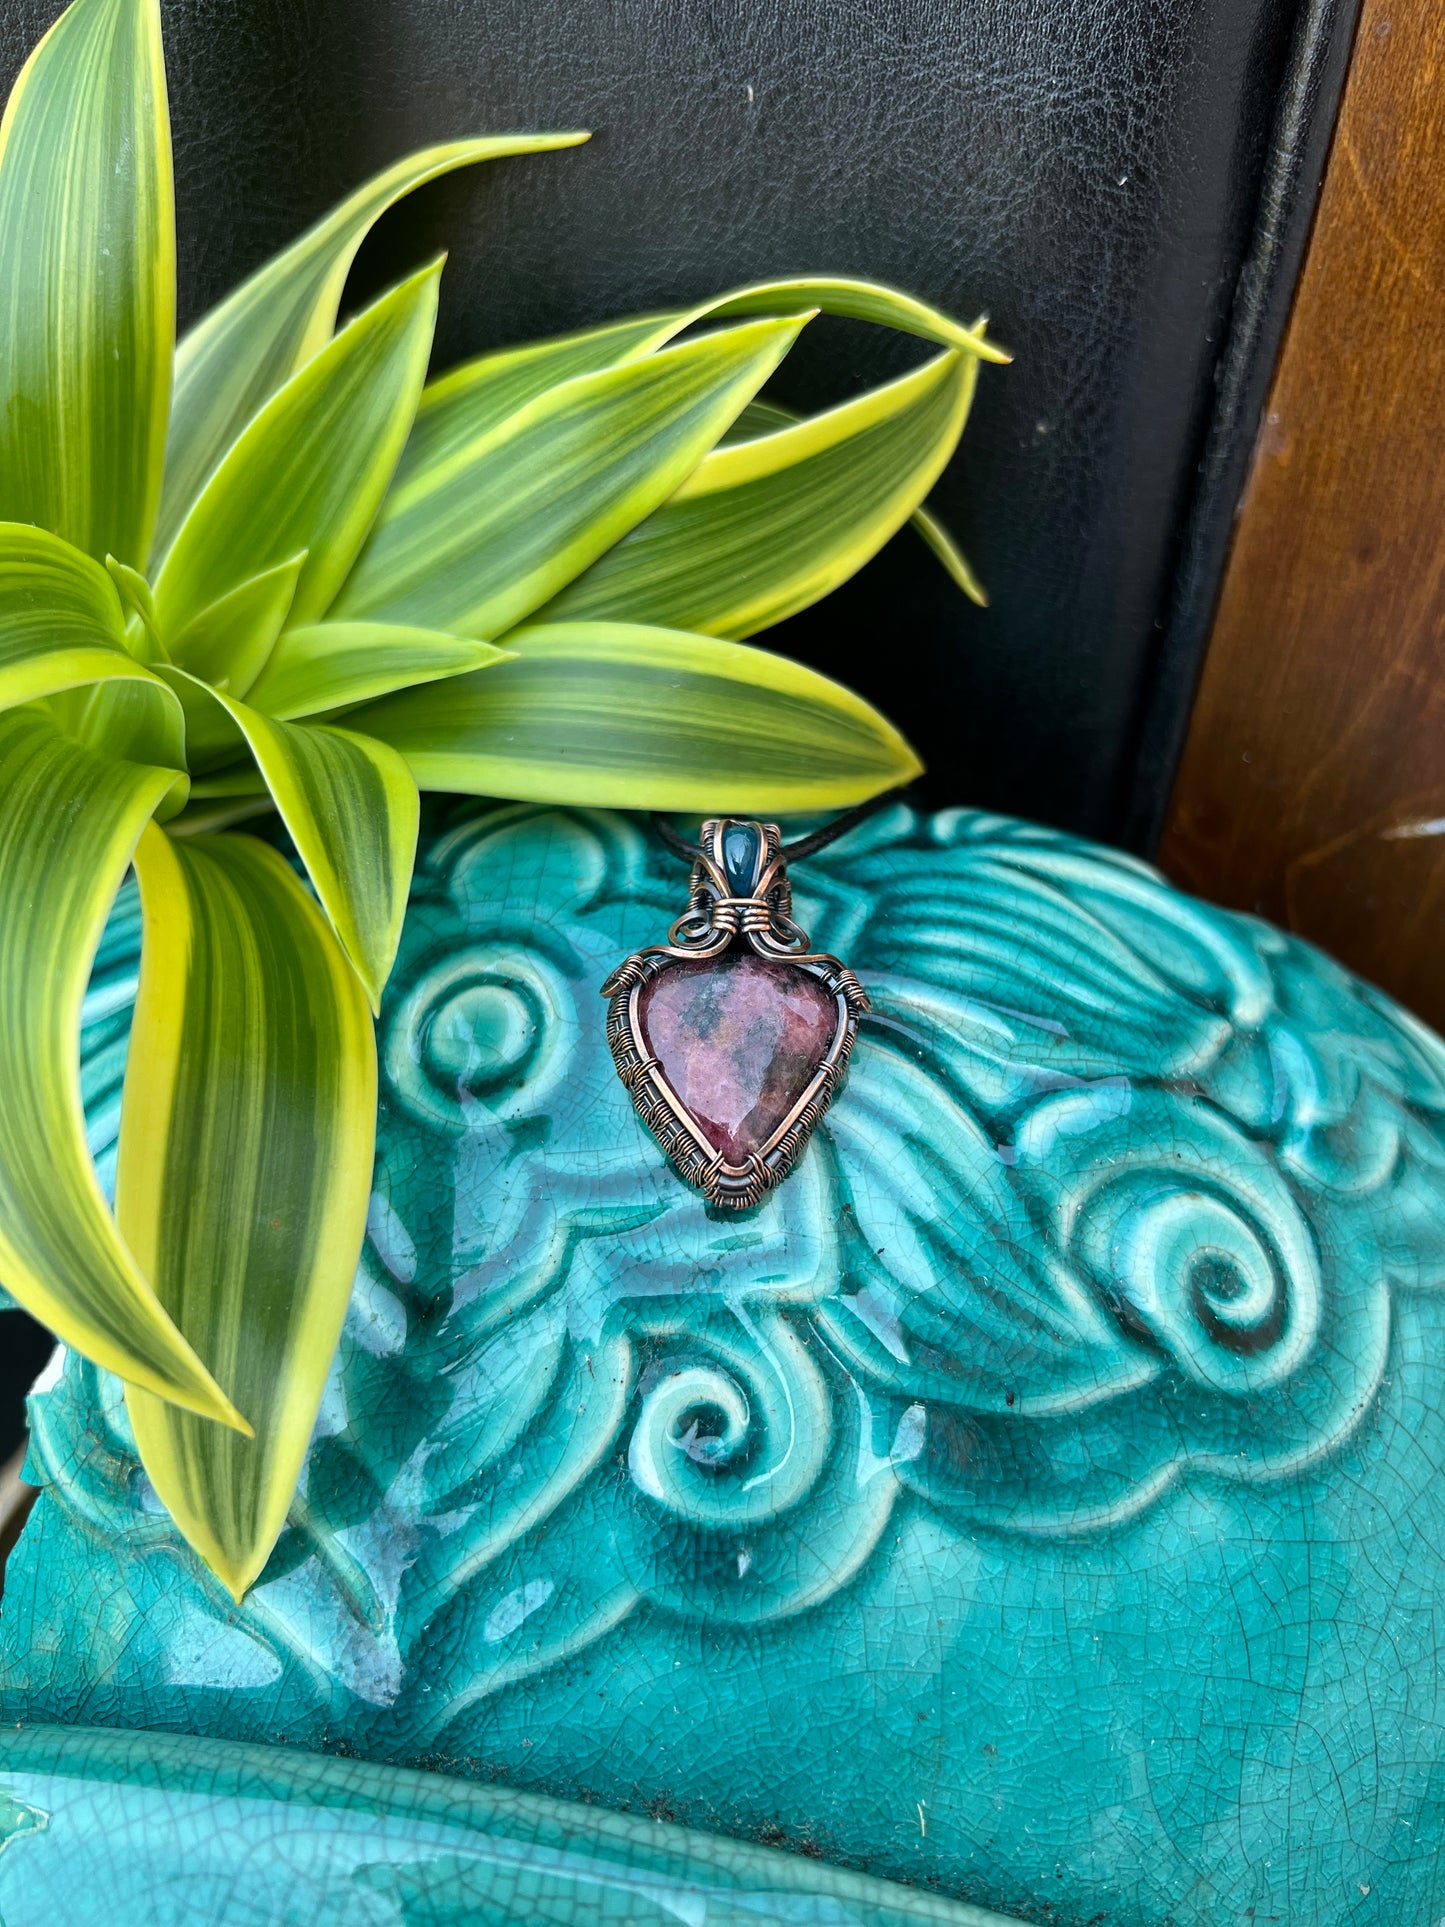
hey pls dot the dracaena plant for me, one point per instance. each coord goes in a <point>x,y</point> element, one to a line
<point>271,568</point>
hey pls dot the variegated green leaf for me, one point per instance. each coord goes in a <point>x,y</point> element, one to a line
<point>351,806</point>
<point>763,527</point>
<point>230,641</point>
<point>475,401</point>
<point>482,538</point>
<point>311,469</point>
<point>143,633</point>
<point>87,280</point>
<point>942,544</point>
<point>766,418</point>
<point>471,400</point>
<point>234,360</point>
<point>333,665</point>
<point>613,714</point>
<point>138,721</point>
<point>69,825</point>
<point>856,301</point>
<point>212,739</point>
<point>237,780</point>
<point>61,622</point>
<point>759,418</point>
<point>244,1171</point>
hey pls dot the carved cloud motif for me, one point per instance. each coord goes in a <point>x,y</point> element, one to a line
<point>1118,1193</point>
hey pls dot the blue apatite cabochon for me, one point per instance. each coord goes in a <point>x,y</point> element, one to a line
<point>1038,1496</point>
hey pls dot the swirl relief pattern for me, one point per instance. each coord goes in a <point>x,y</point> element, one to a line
<point>1119,1193</point>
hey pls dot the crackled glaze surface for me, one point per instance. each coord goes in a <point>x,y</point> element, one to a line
<point>1039,1494</point>
<point>147,1830</point>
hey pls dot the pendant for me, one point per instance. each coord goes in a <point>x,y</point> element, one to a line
<point>732,1037</point>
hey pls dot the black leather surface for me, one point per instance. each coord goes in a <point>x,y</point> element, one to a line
<point>1089,171</point>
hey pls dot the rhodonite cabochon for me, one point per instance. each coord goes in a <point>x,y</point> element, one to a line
<point>1039,1494</point>
<point>739,1038</point>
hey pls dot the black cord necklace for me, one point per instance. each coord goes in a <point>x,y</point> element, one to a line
<point>803,846</point>
<point>733,1036</point>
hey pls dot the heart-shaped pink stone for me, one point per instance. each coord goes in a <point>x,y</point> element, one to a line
<point>739,1038</point>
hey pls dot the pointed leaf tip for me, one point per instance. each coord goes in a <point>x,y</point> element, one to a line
<point>767,524</point>
<point>622,715</point>
<point>473,537</point>
<point>239,354</point>
<point>335,430</point>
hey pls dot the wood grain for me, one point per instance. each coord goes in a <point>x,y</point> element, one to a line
<point>16,1500</point>
<point>1312,787</point>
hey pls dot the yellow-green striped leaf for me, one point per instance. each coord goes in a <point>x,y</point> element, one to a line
<point>332,665</point>
<point>230,640</point>
<point>239,780</point>
<point>759,418</point>
<point>70,822</point>
<point>138,721</point>
<point>617,715</point>
<point>763,527</point>
<point>473,399</point>
<point>351,806</point>
<point>143,635</point>
<point>477,396</point>
<point>61,621</point>
<point>237,356</point>
<point>244,1170</point>
<point>87,280</point>
<point>311,469</point>
<point>766,418</point>
<point>856,301</point>
<point>479,540</point>
<point>943,546</point>
<point>212,739</point>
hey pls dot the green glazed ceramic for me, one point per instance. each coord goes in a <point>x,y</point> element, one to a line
<point>1038,1496</point>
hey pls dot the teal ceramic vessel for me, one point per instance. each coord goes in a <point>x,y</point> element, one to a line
<point>152,1830</point>
<point>1037,1499</point>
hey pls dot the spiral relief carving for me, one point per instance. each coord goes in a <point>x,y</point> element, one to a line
<point>1186,1230</point>
<point>1206,1283</point>
<point>480,1033</point>
<point>735,1437</point>
<point>1117,1197</point>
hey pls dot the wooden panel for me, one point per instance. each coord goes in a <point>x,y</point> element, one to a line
<point>1312,787</point>
<point>16,1500</point>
